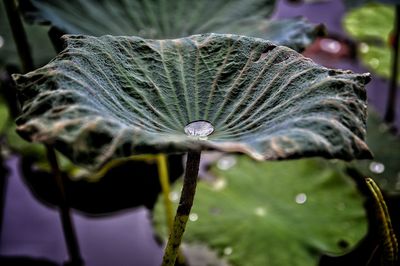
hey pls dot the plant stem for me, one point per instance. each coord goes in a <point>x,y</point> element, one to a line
<point>19,35</point>
<point>184,207</point>
<point>166,190</point>
<point>25,56</point>
<point>388,240</point>
<point>66,221</point>
<point>391,101</point>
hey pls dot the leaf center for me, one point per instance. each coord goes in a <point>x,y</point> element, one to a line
<point>199,128</point>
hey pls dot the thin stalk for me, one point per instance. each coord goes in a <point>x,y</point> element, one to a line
<point>390,113</point>
<point>25,56</point>
<point>19,35</point>
<point>166,190</point>
<point>65,215</point>
<point>184,207</point>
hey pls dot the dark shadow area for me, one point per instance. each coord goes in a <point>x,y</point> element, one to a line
<point>131,184</point>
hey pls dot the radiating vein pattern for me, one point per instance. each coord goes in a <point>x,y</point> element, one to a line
<point>161,19</point>
<point>107,97</point>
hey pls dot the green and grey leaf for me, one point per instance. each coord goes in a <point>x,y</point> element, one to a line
<point>372,25</point>
<point>162,19</point>
<point>110,97</point>
<point>275,213</point>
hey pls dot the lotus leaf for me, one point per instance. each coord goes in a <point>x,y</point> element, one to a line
<point>275,213</point>
<point>110,97</point>
<point>163,19</point>
<point>372,26</point>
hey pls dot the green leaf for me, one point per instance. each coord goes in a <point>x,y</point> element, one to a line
<point>385,168</point>
<point>110,97</point>
<point>371,25</point>
<point>275,213</point>
<point>162,19</point>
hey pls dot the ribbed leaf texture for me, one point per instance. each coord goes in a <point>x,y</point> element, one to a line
<point>162,19</point>
<point>109,97</point>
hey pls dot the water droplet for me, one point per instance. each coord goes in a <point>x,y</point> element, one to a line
<point>376,167</point>
<point>219,184</point>
<point>301,198</point>
<point>193,217</point>
<point>364,48</point>
<point>226,162</point>
<point>260,211</point>
<point>199,128</point>
<point>173,196</point>
<point>228,251</point>
<point>374,62</point>
<point>1,41</point>
<point>330,46</point>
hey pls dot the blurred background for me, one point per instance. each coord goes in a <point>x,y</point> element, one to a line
<point>114,223</point>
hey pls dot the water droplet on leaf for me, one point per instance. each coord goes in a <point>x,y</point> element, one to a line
<point>226,162</point>
<point>376,167</point>
<point>193,217</point>
<point>199,128</point>
<point>330,46</point>
<point>173,196</point>
<point>219,184</point>
<point>228,251</point>
<point>260,211</point>
<point>301,198</point>
<point>364,48</point>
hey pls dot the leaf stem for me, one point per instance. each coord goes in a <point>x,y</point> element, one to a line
<point>65,215</point>
<point>165,187</point>
<point>390,113</point>
<point>184,207</point>
<point>25,56</point>
<point>19,35</point>
<point>388,241</point>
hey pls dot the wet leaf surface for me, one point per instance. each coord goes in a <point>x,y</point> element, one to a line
<point>110,97</point>
<point>275,213</point>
